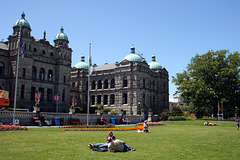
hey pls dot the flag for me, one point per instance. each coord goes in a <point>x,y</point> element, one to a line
<point>20,41</point>
<point>90,61</point>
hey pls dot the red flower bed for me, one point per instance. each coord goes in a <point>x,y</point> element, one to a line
<point>12,127</point>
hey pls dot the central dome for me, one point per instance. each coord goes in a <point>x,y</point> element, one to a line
<point>82,64</point>
<point>132,56</point>
<point>22,21</point>
<point>61,35</point>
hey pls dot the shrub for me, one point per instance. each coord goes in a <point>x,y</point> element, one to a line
<point>105,110</point>
<point>209,118</point>
<point>176,118</point>
<point>191,118</point>
<point>113,112</point>
<point>176,111</point>
<point>100,107</point>
<point>164,115</point>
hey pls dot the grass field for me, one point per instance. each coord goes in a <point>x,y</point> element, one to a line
<point>176,140</point>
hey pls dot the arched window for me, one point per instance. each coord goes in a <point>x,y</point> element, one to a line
<point>34,72</point>
<point>43,52</point>
<point>41,74</point>
<point>99,84</point>
<point>50,75</point>
<point>93,85</point>
<point>125,82</point>
<point>1,68</point>
<point>106,84</point>
<point>113,83</point>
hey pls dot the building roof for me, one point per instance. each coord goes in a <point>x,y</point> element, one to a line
<point>61,35</point>
<point>22,21</point>
<point>3,46</point>
<point>105,67</point>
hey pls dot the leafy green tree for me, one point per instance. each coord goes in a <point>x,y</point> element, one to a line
<point>210,79</point>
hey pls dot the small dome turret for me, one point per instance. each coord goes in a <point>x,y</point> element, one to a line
<point>22,21</point>
<point>61,35</point>
<point>153,64</point>
<point>82,64</point>
<point>132,56</point>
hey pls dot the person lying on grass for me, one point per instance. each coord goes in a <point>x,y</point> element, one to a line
<point>118,146</point>
<point>102,146</point>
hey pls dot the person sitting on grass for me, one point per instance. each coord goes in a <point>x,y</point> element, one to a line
<point>145,127</point>
<point>118,146</point>
<point>36,120</point>
<point>125,120</point>
<point>102,146</point>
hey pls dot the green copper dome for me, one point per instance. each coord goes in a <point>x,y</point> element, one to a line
<point>82,64</point>
<point>132,56</point>
<point>61,35</point>
<point>153,64</point>
<point>22,21</point>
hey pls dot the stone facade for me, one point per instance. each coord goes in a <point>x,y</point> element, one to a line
<point>130,85</point>
<point>44,68</point>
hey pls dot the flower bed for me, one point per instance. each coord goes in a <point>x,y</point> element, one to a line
<point>12,128</point>
<point>151,124</point>
<point>103,129</point>
<point>91,126</point>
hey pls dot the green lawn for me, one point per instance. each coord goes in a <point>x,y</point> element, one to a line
<point>176,140</point>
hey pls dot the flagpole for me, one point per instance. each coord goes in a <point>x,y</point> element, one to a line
<point>16,82</point>
<point>89,69</point>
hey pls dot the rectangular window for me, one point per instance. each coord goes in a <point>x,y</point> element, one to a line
<point>23,72</point>
<point>22,90</point>
<point>112,99</point>
<point>49,94</point>
<point>105,99</point>
<point>99,99</point>
<point>41,90</point>
<point>92,100</point>
<point>33,90</point>
<point>124,98</point>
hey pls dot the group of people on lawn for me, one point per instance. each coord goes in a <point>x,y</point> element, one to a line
<point>113,144</point>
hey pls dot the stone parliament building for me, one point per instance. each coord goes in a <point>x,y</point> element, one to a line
<point>131,84</point>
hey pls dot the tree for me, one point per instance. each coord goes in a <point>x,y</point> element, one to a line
<point>210,79</point>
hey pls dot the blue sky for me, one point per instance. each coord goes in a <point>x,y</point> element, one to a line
<point>173,30</point>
